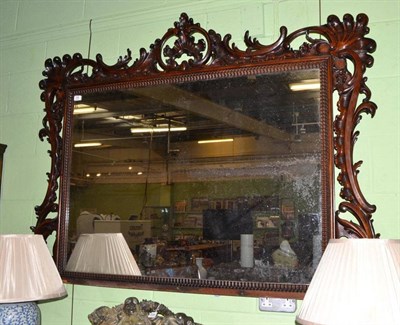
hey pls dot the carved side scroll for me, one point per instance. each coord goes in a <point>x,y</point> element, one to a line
<point>342,41</point>
<point>346,42</point>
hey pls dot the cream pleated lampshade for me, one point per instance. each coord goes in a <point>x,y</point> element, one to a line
<point>27,270</point>
<point>105,253</point>
<point>356,283</point>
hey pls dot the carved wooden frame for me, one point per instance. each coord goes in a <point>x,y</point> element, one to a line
<point>339,42</point>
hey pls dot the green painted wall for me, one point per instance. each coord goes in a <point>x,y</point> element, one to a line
<point>34,30</point>
<point>123,200</point>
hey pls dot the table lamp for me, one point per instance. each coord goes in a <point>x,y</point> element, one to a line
<point>357,282</point>
<point>105,253</point>
<point>27,275</point>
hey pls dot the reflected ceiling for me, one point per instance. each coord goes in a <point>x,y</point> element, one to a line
<point>251,106</point>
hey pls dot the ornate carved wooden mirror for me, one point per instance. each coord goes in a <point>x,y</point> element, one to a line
<point>205,151</point>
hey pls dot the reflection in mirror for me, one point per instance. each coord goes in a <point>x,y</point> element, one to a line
<point>216,179</point>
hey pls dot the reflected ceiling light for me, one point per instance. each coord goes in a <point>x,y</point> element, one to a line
<point>310,84</point>
<point>87,175</point>
<point>87,144</point>
<point>139,173</point>
<point>214,141</point>
<point>86,109</point>
<point>98,174</point>
<point>162,129</point>
<point>131,117</point>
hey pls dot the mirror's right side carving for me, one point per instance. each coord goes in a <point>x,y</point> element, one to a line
<point>350,85</point>
<point>347,44</point>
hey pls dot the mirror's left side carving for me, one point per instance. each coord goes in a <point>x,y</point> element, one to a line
<point>54,99</point>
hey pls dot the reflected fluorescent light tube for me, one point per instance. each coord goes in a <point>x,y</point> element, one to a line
<point>145,130</point>
<point>87,109</point>
<point>87,144</point>
<point>214,141</point>
<point>131,117</point>
<point>311,84</point>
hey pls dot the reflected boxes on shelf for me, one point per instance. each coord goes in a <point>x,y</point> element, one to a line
<point>134,231</point>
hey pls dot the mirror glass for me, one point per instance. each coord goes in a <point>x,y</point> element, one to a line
<point>225,172</point>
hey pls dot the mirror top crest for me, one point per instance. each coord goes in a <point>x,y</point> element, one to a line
<point>338,39</point>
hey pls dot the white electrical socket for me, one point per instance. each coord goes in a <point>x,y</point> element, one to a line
<point>278,304</point>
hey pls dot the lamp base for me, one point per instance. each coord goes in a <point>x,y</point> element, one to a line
<point>24,313</point>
